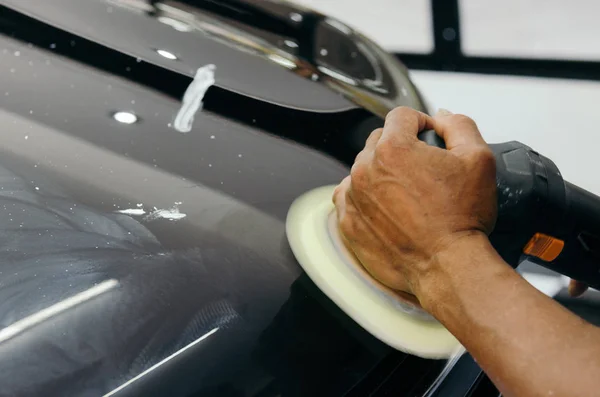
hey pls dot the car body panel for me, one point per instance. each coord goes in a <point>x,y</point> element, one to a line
<point>141,260</point>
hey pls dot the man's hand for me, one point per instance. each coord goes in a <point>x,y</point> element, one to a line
<point>405,202</point>
<point>417,217</point>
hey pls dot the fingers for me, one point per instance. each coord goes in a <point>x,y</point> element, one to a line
<point>457,130</point>
<point>369,149</point>
<point>577,288</point>
<point>369,145</point>
<point>373,138</point>
<point>339,195</point>
<point>403,124</point>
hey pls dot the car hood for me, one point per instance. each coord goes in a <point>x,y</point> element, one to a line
<point>150,153</point>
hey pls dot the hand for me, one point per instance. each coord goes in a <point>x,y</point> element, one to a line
<point>405,202</point>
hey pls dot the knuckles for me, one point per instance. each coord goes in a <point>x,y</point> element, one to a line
<point>400,112</point>
<point>383,152</point>
<point>359,176</point>
<point>374,136</point>
<point>390,152</point>
<point>463,121</point>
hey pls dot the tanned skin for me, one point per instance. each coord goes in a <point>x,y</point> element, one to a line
<point>418,218</point>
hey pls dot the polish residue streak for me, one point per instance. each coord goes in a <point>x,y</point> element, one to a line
<point>192,99</point>
<point>172,214</point>
<point>132,211</point>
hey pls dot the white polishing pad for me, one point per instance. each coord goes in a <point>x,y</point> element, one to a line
<point>377,309</point>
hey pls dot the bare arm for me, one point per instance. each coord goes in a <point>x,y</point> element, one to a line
<point>528,344</point>
<point>418,218</point>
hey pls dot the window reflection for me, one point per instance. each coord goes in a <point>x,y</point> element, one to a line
<point>317,47</point>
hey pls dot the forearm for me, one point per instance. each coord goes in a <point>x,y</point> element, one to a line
<point>527,343</point>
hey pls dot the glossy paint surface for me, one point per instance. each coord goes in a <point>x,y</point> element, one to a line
<point>137,259</point>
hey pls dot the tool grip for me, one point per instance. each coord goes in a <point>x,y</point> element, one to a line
<point>431,138</point>
<point>580,258</point>
<point>541,217</point>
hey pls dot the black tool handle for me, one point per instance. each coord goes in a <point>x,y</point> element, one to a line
<point>541,217</point>
<point>431,138</point>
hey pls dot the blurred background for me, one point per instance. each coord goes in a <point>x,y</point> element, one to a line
<point>526,70</point>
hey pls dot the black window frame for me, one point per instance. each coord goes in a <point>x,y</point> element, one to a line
<point>447,54</point>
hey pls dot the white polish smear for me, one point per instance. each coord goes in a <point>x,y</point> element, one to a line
<point>132,211</point>
<point>192,99</point>
<point>172,214</point>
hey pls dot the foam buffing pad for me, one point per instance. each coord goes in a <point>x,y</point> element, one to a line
<point>313,235</point>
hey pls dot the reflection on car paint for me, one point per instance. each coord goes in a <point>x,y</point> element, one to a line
<point>45,314</point>
<point>214,304</point>
<point>162,362</point>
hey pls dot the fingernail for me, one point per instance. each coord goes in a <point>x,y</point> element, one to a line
<point>443,112</point>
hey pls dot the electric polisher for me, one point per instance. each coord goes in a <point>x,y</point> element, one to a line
<point>541,218</point>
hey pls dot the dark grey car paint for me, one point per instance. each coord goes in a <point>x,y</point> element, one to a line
<point>213,302</point>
